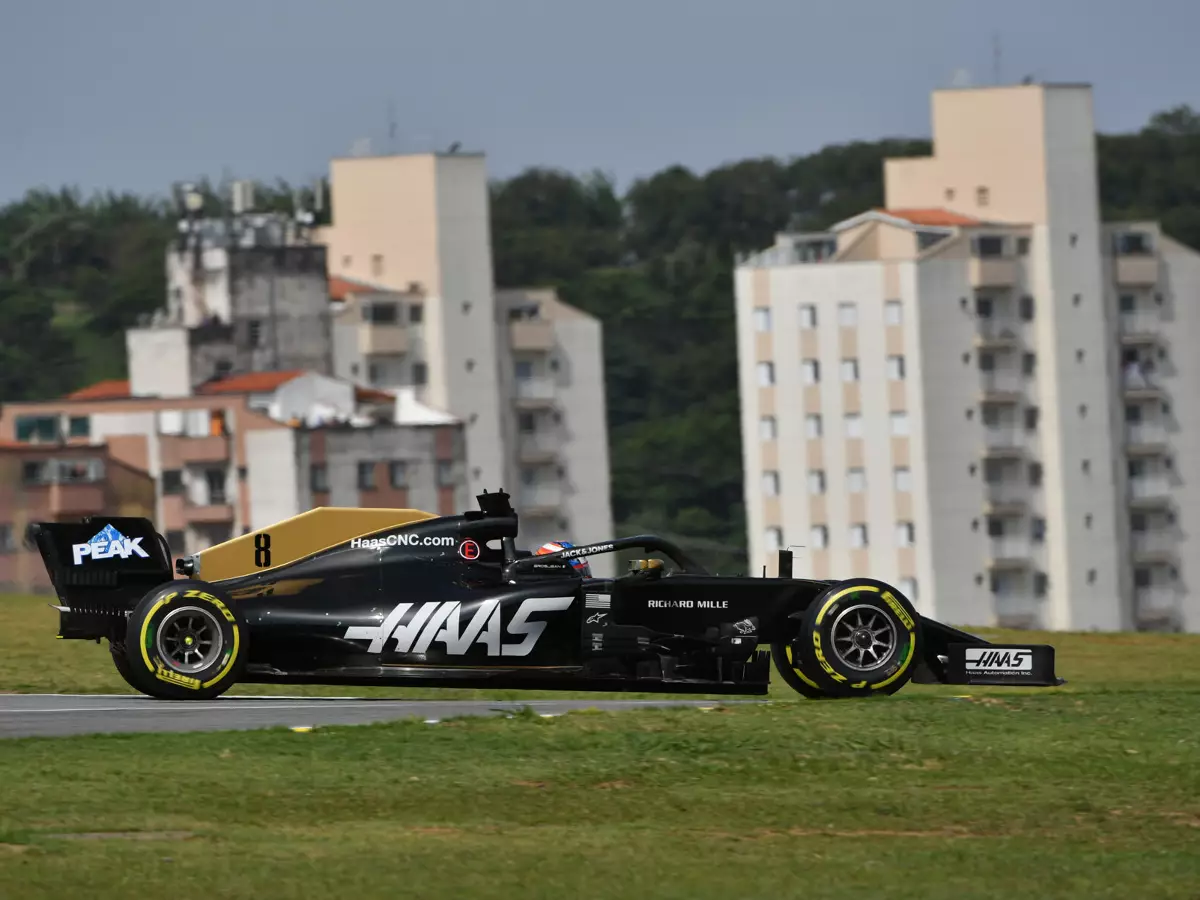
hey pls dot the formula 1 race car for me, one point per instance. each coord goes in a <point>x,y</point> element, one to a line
<point>403,597</point>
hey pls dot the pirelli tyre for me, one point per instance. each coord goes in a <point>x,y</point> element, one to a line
<point>858,638</point>
<point>185,641</point>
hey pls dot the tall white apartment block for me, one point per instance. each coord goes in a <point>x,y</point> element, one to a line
<point>980,393</point>
<point>522,369</point>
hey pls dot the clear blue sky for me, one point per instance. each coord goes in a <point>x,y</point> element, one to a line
<point>132,94</point>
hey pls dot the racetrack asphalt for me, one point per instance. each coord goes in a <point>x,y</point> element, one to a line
<point>55,715</point>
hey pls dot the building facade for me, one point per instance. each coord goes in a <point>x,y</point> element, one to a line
<point>977,393</point>
<point>410,263</point>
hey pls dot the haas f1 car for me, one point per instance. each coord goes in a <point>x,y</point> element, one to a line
<point>403,597</point>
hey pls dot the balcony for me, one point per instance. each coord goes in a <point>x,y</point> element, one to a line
<point>1010,552</point>
<point>387,340</point>
<point>538,447</point>
<point>540,500</point>
<point>210,513</point>
<point>992,271</point>
<point>1136,270</point>
<point>531,335</point>
<point>1145,438</point>
<point>532,393</point>
<point>176,452</point>
<point>1156,600</point>
<point>1159,545</point>
<point>1150,490</point>
<point>998,333</point>
<point>1141,327</point>
<point>1003,440</point>
<point>1002,386</point>
<point>1003,496</point>
<point>1138,384</point>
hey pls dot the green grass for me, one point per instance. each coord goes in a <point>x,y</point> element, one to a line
<point>1091,791</point>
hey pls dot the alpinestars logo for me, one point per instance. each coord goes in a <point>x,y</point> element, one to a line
<point>108,543</point>
<point>989,661</point>
<point>442,623</point>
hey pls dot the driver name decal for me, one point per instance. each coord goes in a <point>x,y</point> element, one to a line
<point>416,628</point>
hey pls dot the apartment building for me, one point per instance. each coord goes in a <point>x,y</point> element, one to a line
<point>410,265</point>
<point>242,452</point>
<point>978,392</point>
<point>42,483</point>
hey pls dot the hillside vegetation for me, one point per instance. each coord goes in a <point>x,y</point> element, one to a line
<point>655,265</point>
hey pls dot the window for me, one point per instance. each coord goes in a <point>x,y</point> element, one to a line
<point>902,479</point>
<point>908,587</point>
<point>1041,583</point>
<point>398,473</point>
<point>1035,474</point>
<point>906,534</point>
<point>377,265</point>
<point>7,544</point>
<point>445,473</point>
<point>176,540</point>
<point>856,481</point>
<point>38,429</point>
<point>810,371</point>
<point>374,373</point>
<point>172,481</point>
<point>858,536</point>
<point>808,316</point>
<point>895,368</point>
<point>818,537</point>
<point>849,370</point>
<point>380,313</point>
<point>416,313</point>
<point>983,307</point>
<point>1031,418</point>
<point>470,365</point>
<point>816,481</point>
<point>893,312</point>
<point>1028,363</point>
<point>766,374</point>
<point>812,425</point>
<point>318,478</point>
<point>847,315</point>
<point>852,425</point>
<point>1127,303</point>
<point>762,319</point>
<point>1037,529</point>
<point>79,426</point>
<point>523,369</point>
<point>366,476</point>
<point>214,480</point>
<point>526,423</point>
<point>768,429</point>
<point>254,332</point>
<point>1026,307</point>
<point>770,484</point>
<point>982,196</point>
<point>773,538</point>
<point>987,361</point>
<point>420,373</point>
<point>1022,246</point>
<point>899,424</point>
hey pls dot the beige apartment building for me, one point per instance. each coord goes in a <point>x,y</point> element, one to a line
<point>982,393</point>
<point>410,264</point>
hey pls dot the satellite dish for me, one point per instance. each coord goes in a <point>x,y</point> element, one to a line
<point>961,78</point>
<point>361,147</point>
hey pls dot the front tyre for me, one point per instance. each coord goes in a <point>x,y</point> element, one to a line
<point>185,641</point>
<point>858,638</point>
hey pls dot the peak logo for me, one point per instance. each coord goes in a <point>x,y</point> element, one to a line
<point>107,543</point>
<point>416,628</point>
<point>989,659</point>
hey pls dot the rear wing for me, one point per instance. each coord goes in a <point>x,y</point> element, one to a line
<point>100,567</point>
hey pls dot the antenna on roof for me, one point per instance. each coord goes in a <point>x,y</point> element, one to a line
<point>997,55</point>
<point>391,125</point>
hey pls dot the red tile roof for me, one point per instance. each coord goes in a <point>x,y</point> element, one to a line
<point>113,389</point>
<point>339,287</point>
<point>250,383</point>
<point>939,218</point>
<point>370,395</point>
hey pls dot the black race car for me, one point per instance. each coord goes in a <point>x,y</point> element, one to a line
<point>403,597</point>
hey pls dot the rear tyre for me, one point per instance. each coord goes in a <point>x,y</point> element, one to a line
<point>185,641</point>
<point>857,638</point>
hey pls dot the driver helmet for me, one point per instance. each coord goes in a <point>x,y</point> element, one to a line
<point>580,564</point>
